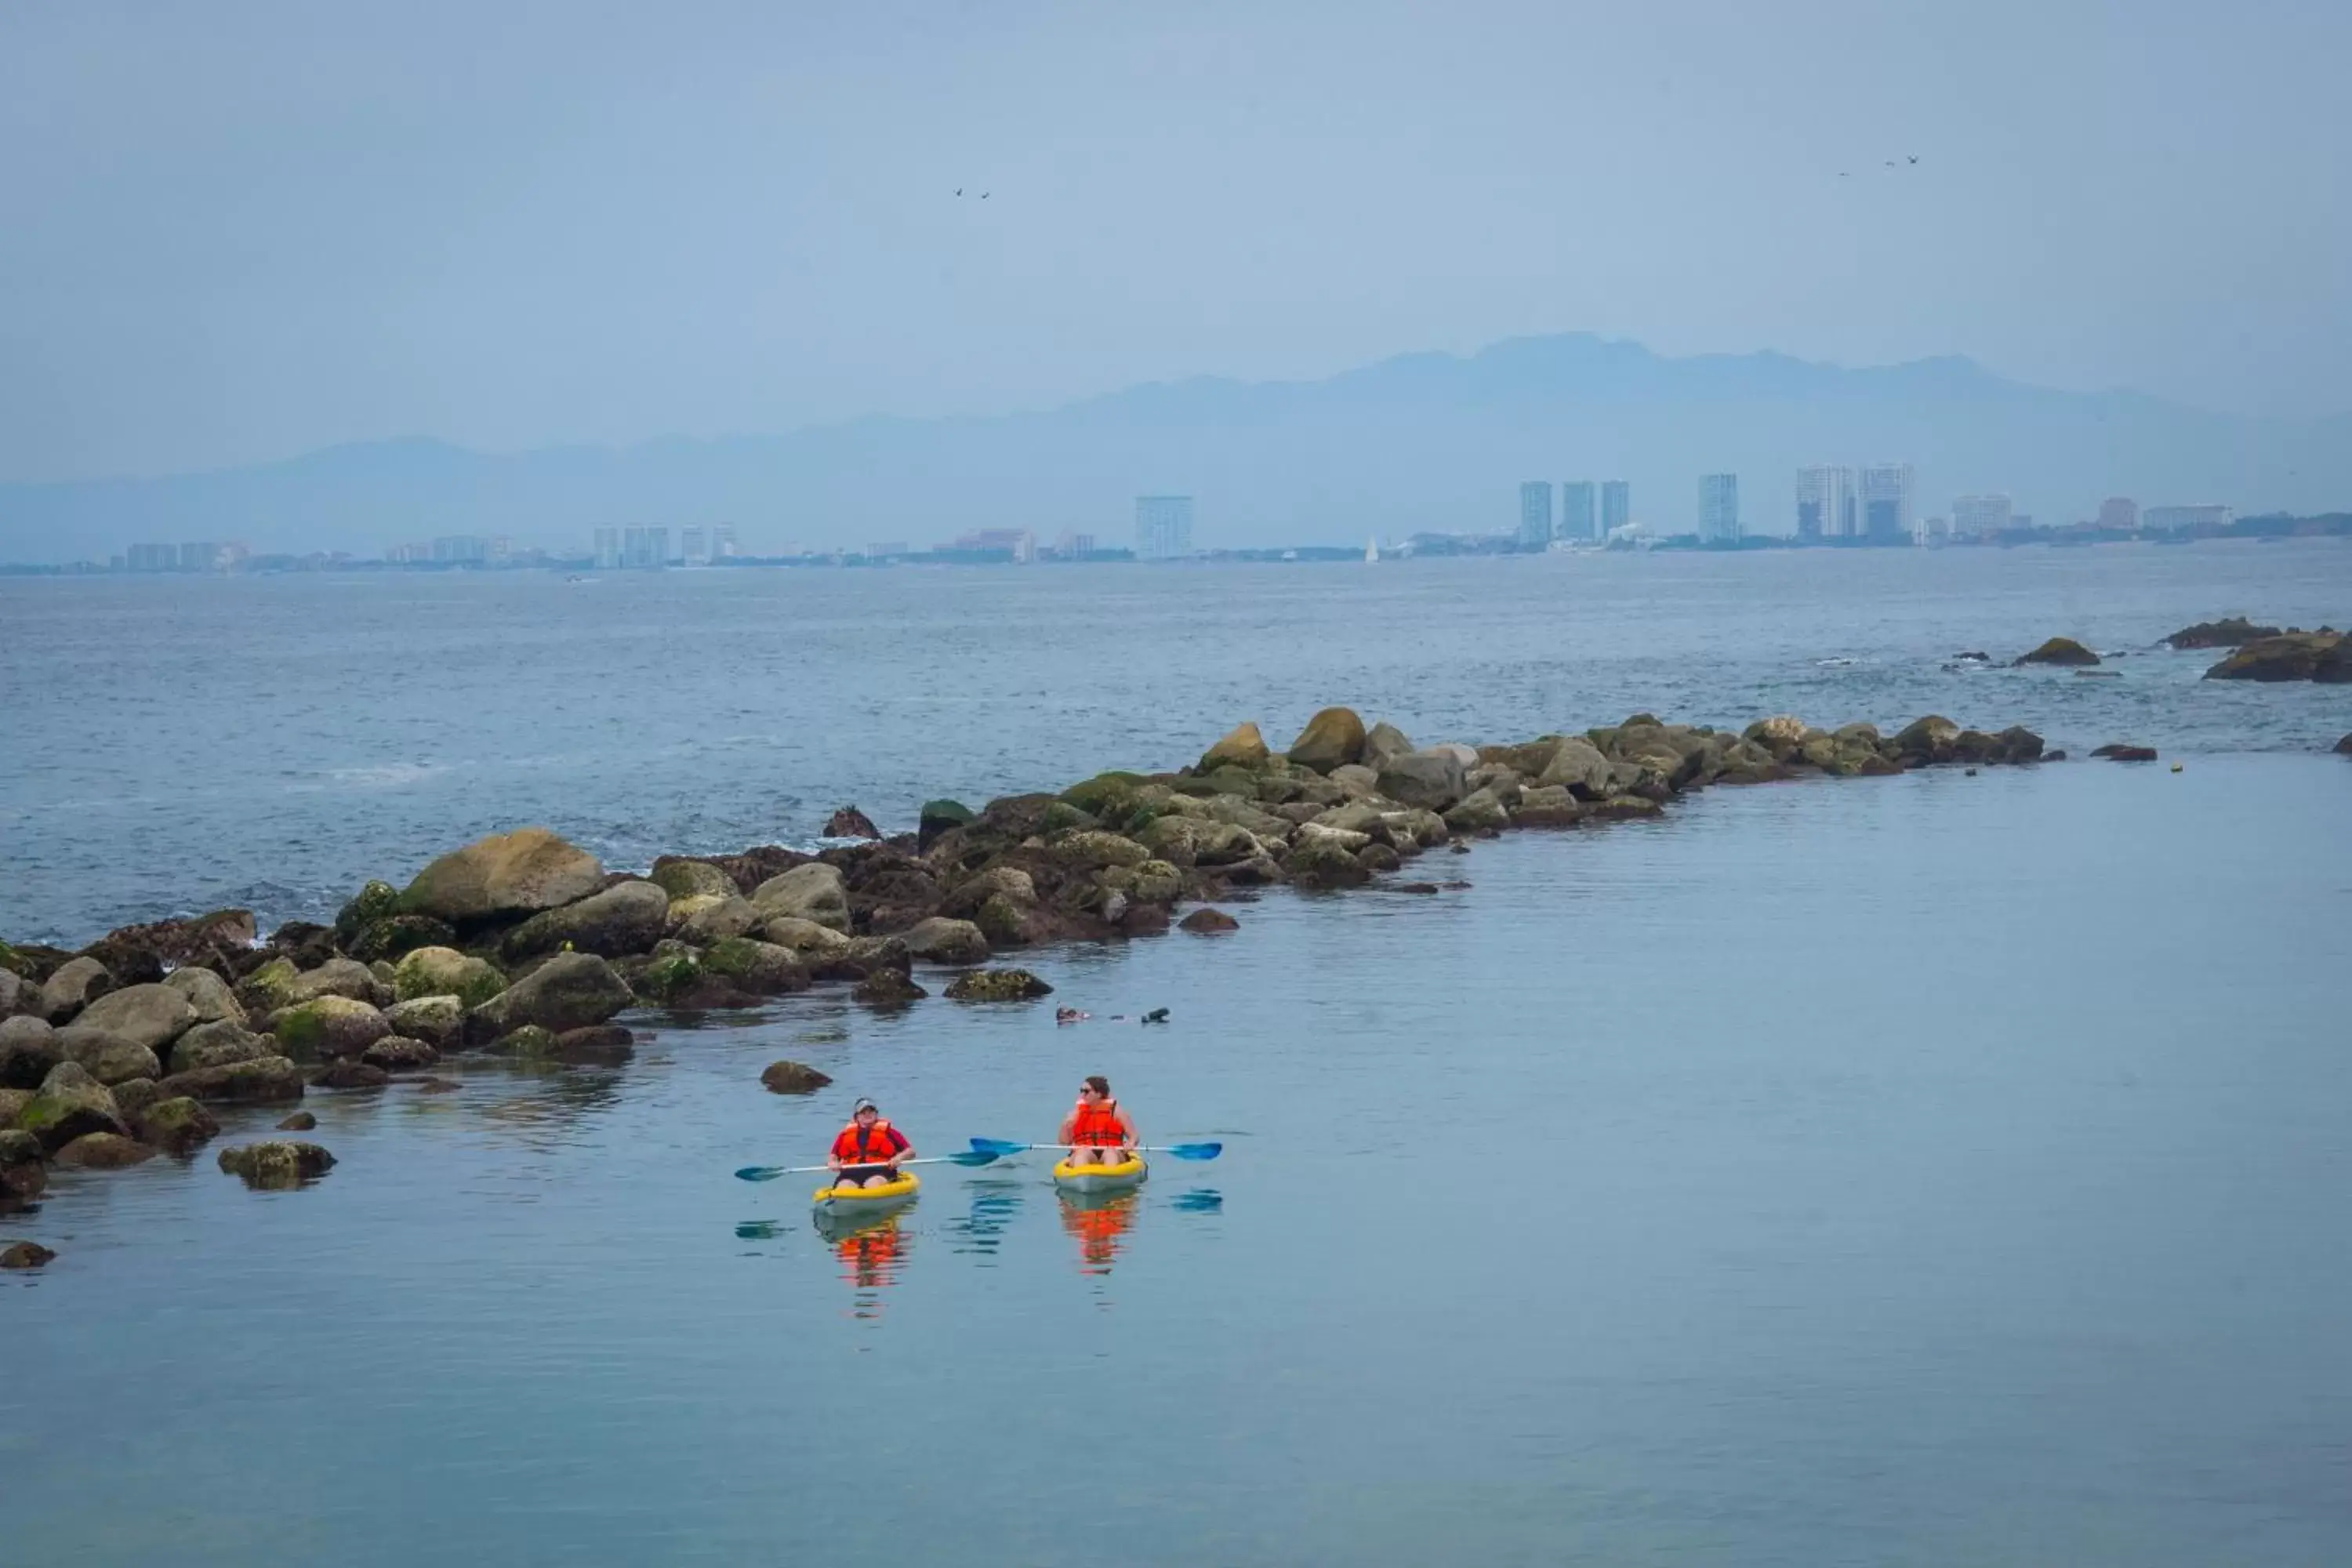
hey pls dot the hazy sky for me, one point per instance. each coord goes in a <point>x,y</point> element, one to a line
<point>238,230</point>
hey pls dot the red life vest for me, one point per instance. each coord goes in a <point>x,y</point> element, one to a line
<point>855,1145</point>
<point>1096,1126</point>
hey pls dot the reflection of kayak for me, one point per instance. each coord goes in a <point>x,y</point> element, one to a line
<point>847,1203</point>
<point>1125,1175</point>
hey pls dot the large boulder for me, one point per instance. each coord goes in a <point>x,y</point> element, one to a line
<point>966,898</point>
<point>1383,743</point>
<point>260,1080</point>
<point>813,942</point>
<point>1332,739</point>
<point>942,940</point>
<point>445,971</point>
<point>570,991</point>
<point>329,1028</point>
<point>344,978</point>
<point>209,996</point>
<point>2295,655</point>
<point>692,879</point>
<point>278,1163</point>
<point>518,873</point>
<point>177,1126</point>
<point>1926,741</point>
<point>72,986</point>
<point>269,987</point>
<point>438,1021</point>
<point>812,893</point>
<point>937,818</point>
<point>1479,810</point>
<point>762,968</point>
<point>217,1044</point>
<point>1782,735</point>
<point>109,1058</point>
<point>1576,764</point>
<point>151,1016</point>
<point>70,1104</point>
<point>702,918</point>
<point>1432,780</point>
<point>1242,747</point>
<point>28,1049</point>
<point>2060,651</point>
<point>850,823</point>
<point>625,917</point>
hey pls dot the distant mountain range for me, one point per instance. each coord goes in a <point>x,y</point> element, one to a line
<point>1427,441</point>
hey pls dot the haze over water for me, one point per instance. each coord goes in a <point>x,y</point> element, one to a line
<point>1936,1169</point>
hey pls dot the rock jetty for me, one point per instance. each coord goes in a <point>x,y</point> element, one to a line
<point>2321,656</point>
<point>524,946</point>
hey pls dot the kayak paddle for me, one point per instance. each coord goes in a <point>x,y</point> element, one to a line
<point>770,1173</point>
<point>997,1148</point>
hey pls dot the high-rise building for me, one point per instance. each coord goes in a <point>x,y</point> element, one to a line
<point>199,557</point>
<point>645,547</point>
<point>608,548</point>
<point>1576,514</point>
<point>153,558</point>
<point>1718,508</point>
<point>1825,503</point>
<point>2119,512</point>
<point>690,544</point>
<point>1163,527</point>
<point>722,542</point>
<point>1886,503</point>
<point>461,549</point>
<point>1979,517</point>
<point>1072,546</point>
<point>1535,514</point>
<point>1616,504</point>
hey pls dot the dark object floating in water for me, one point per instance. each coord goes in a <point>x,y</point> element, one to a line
<point>2119,752</point>
<point>25,1255</point>
<point>1977,657</point>
<point>1200,1200</point>
<point>2098,674</point>
<point>1157,1015</point>
<point>758,1230</point>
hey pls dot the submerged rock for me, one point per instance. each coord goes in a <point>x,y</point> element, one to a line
<point>2122,752</point>
<point>1209,922</point>
<point>25,1255</point>
<point>516,873</point>
<point>278,1162</point>
<point>792,1077</point>
<point>102,1152</point>
<point>349,1073</point>
<point>300,1121</point>
<point>997,986</point>
<point>397,1053</point>
<point>887,988</point>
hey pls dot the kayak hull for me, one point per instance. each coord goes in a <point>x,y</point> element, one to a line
<point>1123,1177</point>
<point>843,1203</point>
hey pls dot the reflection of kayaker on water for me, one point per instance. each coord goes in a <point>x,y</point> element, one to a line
<point>1099,1225</point>
<point>1097,1130</point>
<point>870,1256</point>
<point>866,1153</point>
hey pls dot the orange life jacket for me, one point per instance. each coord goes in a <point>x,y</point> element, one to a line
<point>1096,1126</point>
<point>855,1145</point>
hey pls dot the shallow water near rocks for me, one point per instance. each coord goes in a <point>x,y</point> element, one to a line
<point>1935,1169</point>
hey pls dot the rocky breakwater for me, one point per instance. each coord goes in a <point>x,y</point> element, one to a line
<point>523,945</point>
<point>2322,656</point>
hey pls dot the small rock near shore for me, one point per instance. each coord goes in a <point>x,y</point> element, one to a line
<point>2121,752</point>
<point>998,985</point>
<point>25,1255</point>
<point>28,1049</point>
<point>255,1081</point>
<point>887,988</point>
<point>2060,651</point>
<point>940,940</point>
<point>570,991</point>
<point>177,1126</point>
<point>850,823</point>
<point>102,1152</point>
<point>1209,922</point>
<point>792,1077</point>
<point>278,1163</point>
<point>300,1121</point>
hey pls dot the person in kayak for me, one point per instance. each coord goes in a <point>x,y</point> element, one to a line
<point>866,1153</point>
<point>1097,1131</point>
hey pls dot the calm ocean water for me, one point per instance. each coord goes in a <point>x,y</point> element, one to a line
<point>1935,1170</point>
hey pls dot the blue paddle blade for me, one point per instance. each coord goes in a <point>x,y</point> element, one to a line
<point>1196,1150</point>
<point>759,1173</point>
<point>977,1157</point>
<point>997,1148</point>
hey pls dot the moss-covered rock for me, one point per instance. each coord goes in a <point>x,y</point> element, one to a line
<point>445,971</point>
<point>2060,651</point>
<point>792,1078</point>
<point>216,1044</point>
<point>998,985</point>
<point>1333,739</point>
<point>178,1126</point>
<point>625,917</point>
<point>278,1163</point>
<point>762,968</point>
<point>1104,792</point>
<point>269,987</point>
<point>69,1104</point>
<point>570,991</point>
<point>395,936</point>
<point>212,998</point>
<point>329,1028</point>
<point>939,817</point>
<point>811,892</point>
<point>1063,817</point>
<point>887,988</point>
<point>703,918</point>
<point>669,974</point>
<point>1091,849</point>
<point>260,1081</point>
<point>103,1151</point>
<point>685,878</point>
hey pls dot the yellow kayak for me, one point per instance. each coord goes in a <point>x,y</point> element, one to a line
<point>842,1201</point>
<point>1126,1174</point>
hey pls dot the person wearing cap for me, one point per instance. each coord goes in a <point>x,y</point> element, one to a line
<point>866,1153</point>
<point>1097,1131</point>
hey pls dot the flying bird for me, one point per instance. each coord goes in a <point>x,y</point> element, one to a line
<point>1913,156</point>
<point>959,190</point>
<point>983,196</point>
